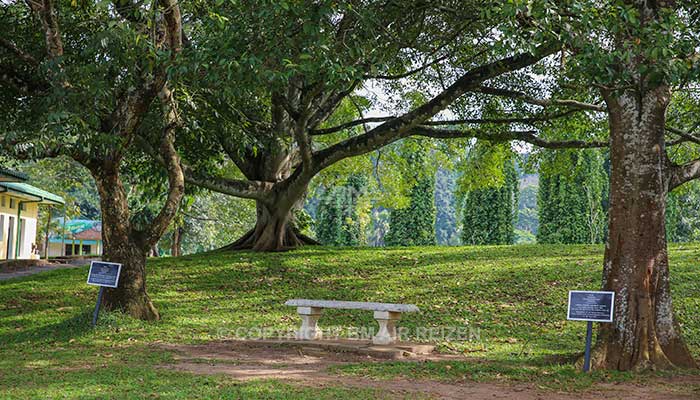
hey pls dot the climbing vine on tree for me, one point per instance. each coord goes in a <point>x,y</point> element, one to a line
<point>337,220</point>
<point>489,213</point>
<point>415,224</point>
<point>572,191</point>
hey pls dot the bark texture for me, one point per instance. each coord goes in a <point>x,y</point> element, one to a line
<point>645,333</point>
<point>274,231</point>
<point>122,247</point>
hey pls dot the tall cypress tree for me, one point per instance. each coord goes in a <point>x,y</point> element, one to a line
<point>337,221</point>
<point>489,214</point>
<point>683,215</point>
<point>570,203</point>
<point>414,225</point>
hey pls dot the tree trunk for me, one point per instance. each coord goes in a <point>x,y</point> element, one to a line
<point>154,251</point>
<point>176,249</point>
<point>121,247</point>
<point>645,333</point>
<point>274,230</point>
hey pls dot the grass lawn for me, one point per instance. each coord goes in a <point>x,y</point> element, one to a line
<point>511,300</point>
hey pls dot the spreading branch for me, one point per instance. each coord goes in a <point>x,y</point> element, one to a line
<point>514,94</point>
<point>465,121</point>
<point>21,54</point>
<point>398,128</point>
<point>687,137</point>
<point>256,190</point>
<point>351,124</point>
<point>680,174</point>
<point>408,73</point>
<point>171,161</point>
<point>523,136</point>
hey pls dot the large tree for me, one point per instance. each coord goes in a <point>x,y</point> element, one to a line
<point>87,81</point>
<point>633,62</point>
<point>648,52</point>
<point>293,74</point>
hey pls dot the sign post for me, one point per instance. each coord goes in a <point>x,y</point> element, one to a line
<point>590,306</point>
<point>102,274</point>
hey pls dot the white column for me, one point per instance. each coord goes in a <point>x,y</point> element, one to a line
<point>309,319</point>
<point>387,327</point>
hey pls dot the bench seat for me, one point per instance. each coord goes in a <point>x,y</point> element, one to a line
<point>386,315</point>
<point>352,305</point>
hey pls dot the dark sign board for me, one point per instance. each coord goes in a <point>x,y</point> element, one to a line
<point>591,306</point>
<point>104,274</point>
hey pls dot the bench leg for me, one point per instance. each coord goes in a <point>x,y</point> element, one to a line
<point>309,319</point>
<point>387,327</point>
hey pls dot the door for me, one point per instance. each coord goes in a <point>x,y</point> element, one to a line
<point>10,238</point>
<point>22,236</point>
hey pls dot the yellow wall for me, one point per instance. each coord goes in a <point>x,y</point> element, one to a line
<point>29,214</point>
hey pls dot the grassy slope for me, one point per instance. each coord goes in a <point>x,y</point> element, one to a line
<point>513,298</point>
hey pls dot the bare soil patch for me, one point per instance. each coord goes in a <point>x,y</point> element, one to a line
<point>309,367</point>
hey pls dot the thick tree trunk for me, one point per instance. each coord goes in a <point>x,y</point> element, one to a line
<point>274,230</point>
<point>121,247</point>
<point>644,334</point>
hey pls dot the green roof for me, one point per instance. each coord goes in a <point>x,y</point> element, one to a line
<point>40,194</point>
<point>12,174</point>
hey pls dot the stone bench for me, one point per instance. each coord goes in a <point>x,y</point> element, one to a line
<point>386,315</point>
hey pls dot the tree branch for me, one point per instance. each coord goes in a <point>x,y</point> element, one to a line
<point>46,12</point>
<point>680,174</point>
<point>505,120</point>
<point>341,127</point>
<point>256,190</point>
<point>409,73</point>
<point>171,161</point>
<point>514,94</point>
<point>131,109</point>
<point>21,54</point>
<point>398,128</point>
<point>239,188</point>
<point>523,136</point>
<point>683,134</point>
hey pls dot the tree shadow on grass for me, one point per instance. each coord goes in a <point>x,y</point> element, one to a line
<point>71,328</point>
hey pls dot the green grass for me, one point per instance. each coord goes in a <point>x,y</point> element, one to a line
<point>511,300</point>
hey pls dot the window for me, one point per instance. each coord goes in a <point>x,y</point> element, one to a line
<point>23,206</point>
<point>12,203</point>
<point>2,201</point>
<point>2,227</point>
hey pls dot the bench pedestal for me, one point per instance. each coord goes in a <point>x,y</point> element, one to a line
<point>387,327</point>
<point>309,323</point>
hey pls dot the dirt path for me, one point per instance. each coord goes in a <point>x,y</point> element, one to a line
<point>36,270</point>
<point>310,368</point>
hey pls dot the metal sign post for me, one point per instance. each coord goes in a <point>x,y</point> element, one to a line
<point>587,355</point>
<point>590,306</point>
<point>97,306</point>
<point>102,274</point>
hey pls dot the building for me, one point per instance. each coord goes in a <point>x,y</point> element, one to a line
<point>19,210</point>
<point>81,237</point>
